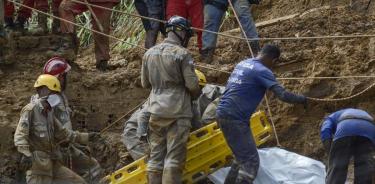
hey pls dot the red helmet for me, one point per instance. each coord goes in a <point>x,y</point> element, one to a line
<point>56,66</point>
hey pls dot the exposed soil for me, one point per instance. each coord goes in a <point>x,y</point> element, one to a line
<point>99,98</point>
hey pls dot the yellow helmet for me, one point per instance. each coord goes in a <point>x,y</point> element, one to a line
<point>201,78</point>
<point>50,81</point>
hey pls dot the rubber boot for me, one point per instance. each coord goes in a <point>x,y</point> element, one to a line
<point>151,37</point>
<point>74,41</point>
<point>102,65</point>
<point>55,26</point>
<point>207,55</point>
<point>233,173</point>
<point>244,178</point>
<point>172,175</point>
<point>42,28</point>
<point>2,34</point>
<point>19,25</point>
<point>9,23</point>
<point>154,177</point>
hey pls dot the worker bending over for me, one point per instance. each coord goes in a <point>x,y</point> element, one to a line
<point>69,9</point>
<point>135,133</point>
<point>345,134</point>
<point>244,91</point>
<point>153,9</point>
<point>168,69</point>
<point>214,11</point>
<point>39,133</point>
<point>74,155</point>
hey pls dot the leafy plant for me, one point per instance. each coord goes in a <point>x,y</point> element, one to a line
<point>125,27</point>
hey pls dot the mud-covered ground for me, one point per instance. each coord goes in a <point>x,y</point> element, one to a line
<point>98,99</point>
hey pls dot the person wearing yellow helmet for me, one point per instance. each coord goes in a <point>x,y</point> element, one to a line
<point>203,109</point>
<point>39,134</point>
<point>75,156</point>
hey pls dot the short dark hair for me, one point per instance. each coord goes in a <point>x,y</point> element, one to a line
<point>271,51</point>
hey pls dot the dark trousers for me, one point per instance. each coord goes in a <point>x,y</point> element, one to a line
<point>342,150</point>
<point>240,139</point>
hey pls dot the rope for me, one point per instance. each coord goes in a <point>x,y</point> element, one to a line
<point>235,37</point>
<point>252,55</point>
<point>122,117</point>
<point>295,78</point>
<point>339,77</point>
<point>272,122</point>
<point>342,99</point>
<point>75,24</point>
<point>201,66</point>
<point>242,29</point>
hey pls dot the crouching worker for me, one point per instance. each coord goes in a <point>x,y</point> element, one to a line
<point>39,133</point>
<point>135,133</point>
<point>345,134</point>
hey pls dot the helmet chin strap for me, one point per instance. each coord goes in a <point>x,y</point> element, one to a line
<point>183,41</point>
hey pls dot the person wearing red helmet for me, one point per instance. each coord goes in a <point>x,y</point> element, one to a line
<point>59,68</point>
<point>82,164</point>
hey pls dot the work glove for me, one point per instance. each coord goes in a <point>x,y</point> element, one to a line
<point>25,163</point>
<point>94,136</point>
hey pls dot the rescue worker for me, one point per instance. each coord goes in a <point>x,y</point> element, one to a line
<point>168,69</point>
<point>210,92</point>
<point>152,9</point>
<point>24,14</point>
<point>73,154</point>
<point>244,91</point>
<point>189,9</point>
<point>214,11</point>
<point>69,9</point>
<point>8,14</point>
<point>345,134</point>
<point>2,22</point>
<point>2,33</point>
<point>204,110</point>
<point>135,133</point>
<point>39,133</point>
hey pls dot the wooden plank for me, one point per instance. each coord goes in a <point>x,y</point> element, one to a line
<point>284,18</point>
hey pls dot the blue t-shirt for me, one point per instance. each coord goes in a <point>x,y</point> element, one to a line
<point>245,89</point>
<point>348,122</point>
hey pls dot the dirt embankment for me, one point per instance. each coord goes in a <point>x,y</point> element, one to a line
<point>98,98</point>
<point>299,130</point>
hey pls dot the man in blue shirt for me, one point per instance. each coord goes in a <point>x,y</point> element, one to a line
<point>349,133</point>
<point>244,91</point>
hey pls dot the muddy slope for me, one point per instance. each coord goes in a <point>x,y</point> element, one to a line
<point>98,99</point>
